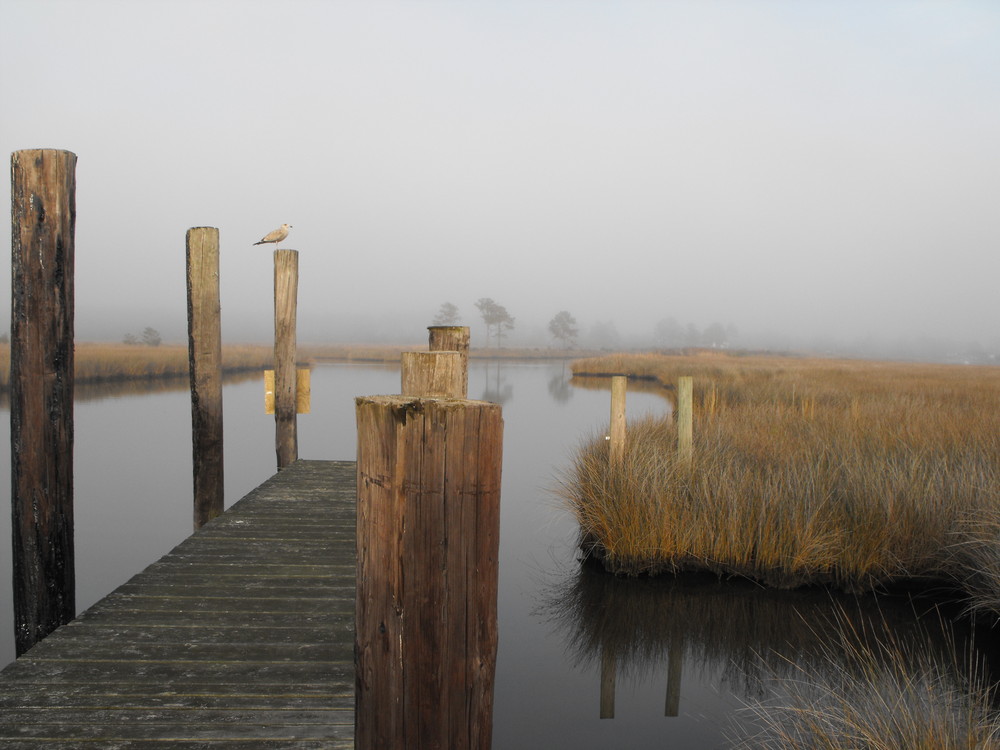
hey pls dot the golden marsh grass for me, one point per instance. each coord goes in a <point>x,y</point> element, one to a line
<point>102,363</point>
<point>856,474</point>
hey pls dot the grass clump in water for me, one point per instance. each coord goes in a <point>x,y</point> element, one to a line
<point>891,694</point>
<point>804,471</point>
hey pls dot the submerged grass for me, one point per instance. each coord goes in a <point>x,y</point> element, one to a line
<point>888,693</point>
<point>805,471</point>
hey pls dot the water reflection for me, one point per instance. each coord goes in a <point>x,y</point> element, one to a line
<point>497,389</point>
<point>560,387</point>
<point>83,392</point>
<point>635,628</point>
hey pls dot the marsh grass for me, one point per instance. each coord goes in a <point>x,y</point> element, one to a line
<point>805,471</point>
<point>109,363</point>
<point>976,555</point>
<point>887,692</point>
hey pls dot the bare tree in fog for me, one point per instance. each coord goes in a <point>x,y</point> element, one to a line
<point>447,315</point>
<point>563,328</point>
<point>497,319</point>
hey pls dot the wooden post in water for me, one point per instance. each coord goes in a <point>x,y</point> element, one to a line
<point>619,386</point>
<point>43,219</point>
<point>286,284</point>
<point>452,339</point>
<point>205,364</point>
<point>685,418</point>
<point>434,374</point>
<point>427,551</point>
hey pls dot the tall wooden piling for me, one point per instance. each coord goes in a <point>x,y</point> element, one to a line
<point>685,417</point>
<point>619,386</point>
<point>427,553</point>
<point>43,219</point>
<point>205,364</point>
<point>452,339</point>
<point>286,285</point>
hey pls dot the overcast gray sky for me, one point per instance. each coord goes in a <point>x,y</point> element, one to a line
<point>785,167</point>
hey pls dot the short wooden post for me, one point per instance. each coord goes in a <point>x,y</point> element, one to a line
<point>619,386</point>
<point>685,418</point>
<point>433,374</point>
<point>286,284</point>
<point>427,551</point>
<point>43,219</point>
<point>452,339</point>
<point>303,390</point>
<point>205,364</point>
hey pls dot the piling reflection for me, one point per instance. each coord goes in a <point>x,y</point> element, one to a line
<point>497,389</point>
<point>633,628</point>
<point>560,388</point>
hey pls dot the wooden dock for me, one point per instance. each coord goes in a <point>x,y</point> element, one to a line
<point>242,636</point>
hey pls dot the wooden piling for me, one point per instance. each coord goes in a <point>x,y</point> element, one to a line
<point>205,364</point>
<point>452,339</point>
<point>286,284</point>
<point>43,219</point>
<point>619,386</point>
<point>437,374</point>
<point>685,418</point>
<point>427,553</point>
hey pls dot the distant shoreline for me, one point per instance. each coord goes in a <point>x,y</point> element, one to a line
<point>108,363</point>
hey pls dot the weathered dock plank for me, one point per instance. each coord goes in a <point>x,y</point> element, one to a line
<point>241,637</point>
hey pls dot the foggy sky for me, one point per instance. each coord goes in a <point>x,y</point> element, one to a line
<point>793,169</point>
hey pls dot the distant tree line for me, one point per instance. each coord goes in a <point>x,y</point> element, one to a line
<point>669,334</point>
<point>148,337</point>
<point>564,330</point>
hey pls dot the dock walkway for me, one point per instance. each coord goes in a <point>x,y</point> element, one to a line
<point>241,637</point>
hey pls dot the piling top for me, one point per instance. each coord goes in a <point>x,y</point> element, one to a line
<point>32,152</point>
<point>403,401</point>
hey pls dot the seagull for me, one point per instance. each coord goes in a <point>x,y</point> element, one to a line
<point>276,236</point>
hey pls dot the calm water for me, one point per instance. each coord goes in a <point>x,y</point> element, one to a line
<point>675,658</point>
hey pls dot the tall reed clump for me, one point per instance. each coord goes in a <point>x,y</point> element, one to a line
<point>804,471</point>
<point>886,693</point>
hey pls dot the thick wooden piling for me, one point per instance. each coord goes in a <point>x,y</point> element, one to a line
<point>205,364</point>
<point>685,418</point>
<point>452,339</point>
<point>427,546</point>
<point>286,284</point>
<point>437,374</point>
<point>619,386</point>
<point>43,219</point>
